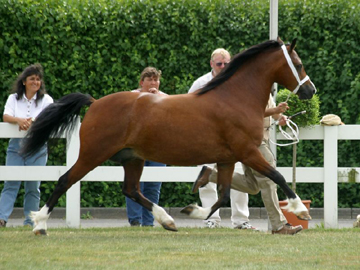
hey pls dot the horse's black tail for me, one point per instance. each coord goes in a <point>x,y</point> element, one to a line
<point>54,120</point>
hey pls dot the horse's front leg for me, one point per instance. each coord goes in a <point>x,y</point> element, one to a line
<point>295,204</point>
<point>257,162</point>
<point>131,189</point>
<point>225,172</point>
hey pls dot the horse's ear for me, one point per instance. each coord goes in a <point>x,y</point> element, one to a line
<point>293,44</point>
<point>279,40</point>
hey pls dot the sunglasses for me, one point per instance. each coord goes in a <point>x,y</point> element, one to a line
<point>220,64</point>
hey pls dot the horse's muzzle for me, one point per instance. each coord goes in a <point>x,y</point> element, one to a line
<point>306,91</point>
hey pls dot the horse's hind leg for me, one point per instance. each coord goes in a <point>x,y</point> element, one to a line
<point>225,172</point>
<point>131,188</point>
<point>39,218</point>
<point>72,176</point>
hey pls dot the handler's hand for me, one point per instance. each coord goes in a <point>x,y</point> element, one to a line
<point>282,120</point>
<point>282,107</point>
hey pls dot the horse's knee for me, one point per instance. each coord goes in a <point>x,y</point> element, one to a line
<point>245,182</point>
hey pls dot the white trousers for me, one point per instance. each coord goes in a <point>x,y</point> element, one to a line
<point>239,204</point>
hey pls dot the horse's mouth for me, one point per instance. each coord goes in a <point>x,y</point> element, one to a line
<point>306,92</point>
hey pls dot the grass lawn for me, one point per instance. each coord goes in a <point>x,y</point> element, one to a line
<point>190,248</point>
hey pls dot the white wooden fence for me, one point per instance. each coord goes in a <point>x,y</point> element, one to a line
<point>327,174</point>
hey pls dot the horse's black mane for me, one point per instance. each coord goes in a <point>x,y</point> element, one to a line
<point>237,61</point>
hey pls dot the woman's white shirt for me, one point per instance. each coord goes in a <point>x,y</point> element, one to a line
<point>25,108</point>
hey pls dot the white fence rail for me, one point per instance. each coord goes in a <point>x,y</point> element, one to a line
<point>327,174</point>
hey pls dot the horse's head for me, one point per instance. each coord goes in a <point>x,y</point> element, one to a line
<point>302,85</point>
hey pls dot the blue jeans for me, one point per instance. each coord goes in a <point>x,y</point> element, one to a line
<point>11,188</point>
<point>151,190</point>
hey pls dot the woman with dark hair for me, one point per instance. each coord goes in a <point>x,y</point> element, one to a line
<point>27,100</point>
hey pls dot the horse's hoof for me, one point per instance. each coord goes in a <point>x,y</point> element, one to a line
<point>304,215</point>
<point>188,209</point>
<point>40,232</point>
<point>170,226</point>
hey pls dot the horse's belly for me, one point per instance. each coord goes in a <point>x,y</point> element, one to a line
<point>186,154</point>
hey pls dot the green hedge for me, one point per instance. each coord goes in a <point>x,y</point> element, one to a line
<point>100,47</point>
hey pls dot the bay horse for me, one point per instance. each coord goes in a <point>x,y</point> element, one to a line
<point>221,123</point>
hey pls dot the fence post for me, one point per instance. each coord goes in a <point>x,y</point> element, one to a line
<point>73,194</point>
<point>330,177</point>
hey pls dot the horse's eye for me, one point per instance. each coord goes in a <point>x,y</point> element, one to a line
<point>299,66</point>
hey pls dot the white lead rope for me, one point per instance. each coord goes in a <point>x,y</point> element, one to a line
<point>294,135</point>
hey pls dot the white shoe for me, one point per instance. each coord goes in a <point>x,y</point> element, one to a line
<point>246,226</point>
<point>211,224</point>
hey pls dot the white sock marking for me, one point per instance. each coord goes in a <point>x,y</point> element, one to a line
<point>39,218</point>
<point>295,206</point>
<point>200,212</point>
<point>160,215</point>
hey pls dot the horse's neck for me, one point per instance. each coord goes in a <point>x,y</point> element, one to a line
<point>253,82</point>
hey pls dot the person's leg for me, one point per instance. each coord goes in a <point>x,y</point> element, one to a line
<point>239,207</point>
<point>151,191</point>
<point>8,198</point>
<point>11,188</point>
<point>245,182</point>
<point>270,198</point>
<point>269,192</point>
<point>208,197</point>
<point>31,200</point>
<point>32,188</point>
